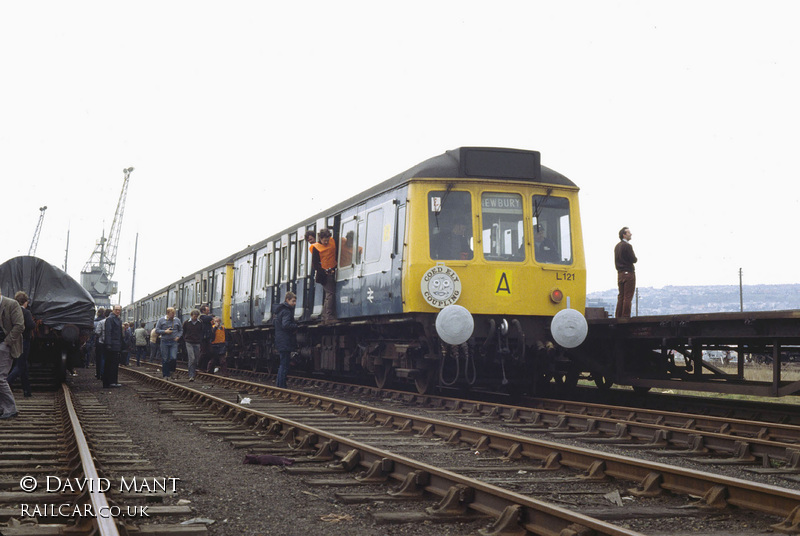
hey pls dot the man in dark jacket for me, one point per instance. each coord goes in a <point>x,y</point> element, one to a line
<point>624,259</point>
<point>113,336</point>
<point>207,321</point>
<point>285,334</point>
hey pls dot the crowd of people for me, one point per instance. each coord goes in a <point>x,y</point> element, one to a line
<point>116,343</point>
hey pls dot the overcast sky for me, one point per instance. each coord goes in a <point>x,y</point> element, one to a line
<point>677,119</point>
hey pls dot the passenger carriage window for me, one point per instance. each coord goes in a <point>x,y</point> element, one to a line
<point>503,235</point>
<point>347,242</point>
<point>302,252</point>
<point>276,266</point>
<point>400,226</point>
<point>260,281</point>
<point>292,275</point>
<point>218,287</point>
<point>362,238</point>
<point>450,225</point>
<point>285,255</point>
<point>552,235</point>
<point>374,236</point>
<point>306,248</point>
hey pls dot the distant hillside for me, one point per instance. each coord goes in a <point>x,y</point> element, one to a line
<point>700,299</point>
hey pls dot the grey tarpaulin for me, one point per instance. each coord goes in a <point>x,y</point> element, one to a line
<point>55,298</point>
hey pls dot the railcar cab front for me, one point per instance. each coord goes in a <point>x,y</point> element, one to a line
<point>497,241</point>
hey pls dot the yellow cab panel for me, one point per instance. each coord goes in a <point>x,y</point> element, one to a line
<point>510,248</point>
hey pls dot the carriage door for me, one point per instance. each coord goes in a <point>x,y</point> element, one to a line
<point>261,283</point>
<point>273,278</point>
<point>294,265</point>
<point>240,308</point>
<point>347,274</point>
<point>375,248</point>
<point>305,279</point>
<point>283,269</point>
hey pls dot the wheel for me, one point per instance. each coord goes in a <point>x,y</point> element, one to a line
<point>425,381</point>
<point>271,364</point>
<point>566,380</point>
<point>382,374</point>
<point>603,383</point>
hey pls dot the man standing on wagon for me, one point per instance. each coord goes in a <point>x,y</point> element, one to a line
<point>624,259</point>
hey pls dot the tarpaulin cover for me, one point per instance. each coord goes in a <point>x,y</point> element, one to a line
<point>55,298</point>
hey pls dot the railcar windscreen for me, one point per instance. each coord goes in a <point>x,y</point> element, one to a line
<point>503,227</point>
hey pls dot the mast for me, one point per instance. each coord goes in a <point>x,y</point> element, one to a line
<point>135,253</point>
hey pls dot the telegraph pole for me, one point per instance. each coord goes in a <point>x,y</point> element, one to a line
<point>135,252</point>
<point>741,295</point>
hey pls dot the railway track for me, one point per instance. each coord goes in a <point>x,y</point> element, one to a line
<point>477,470</point>
<point>67,468</point>
<point>772,411</point>
<point>762,441</point>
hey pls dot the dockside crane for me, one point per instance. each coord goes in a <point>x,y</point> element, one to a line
<point>99,269</point>
<point>36,233</point>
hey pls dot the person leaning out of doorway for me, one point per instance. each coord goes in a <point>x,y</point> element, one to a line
<point>326,272</point>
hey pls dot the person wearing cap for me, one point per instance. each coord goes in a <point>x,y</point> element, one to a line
<point>624,259</point>
<point>12,324</point>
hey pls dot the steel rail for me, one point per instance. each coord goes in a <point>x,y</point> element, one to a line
<point>730,425</point>
<point>752,440</point>
<point>746,441</point>
<point>105,523</point>
<point>653,477</point>
<point>778,428</point>
<point>513,509</point>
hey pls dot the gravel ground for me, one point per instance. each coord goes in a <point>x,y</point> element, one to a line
<point>242,500</point>
<point>254,500</point>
